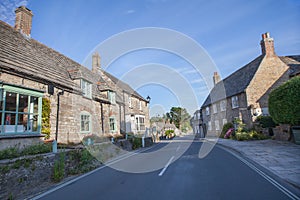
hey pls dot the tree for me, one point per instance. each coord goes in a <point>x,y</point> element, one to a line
<point>180,117</point>
<point>284,102</point>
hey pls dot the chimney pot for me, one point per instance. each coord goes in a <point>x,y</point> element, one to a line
<point>216,78</point>
<point>267,45</point>
<point>23,20</point>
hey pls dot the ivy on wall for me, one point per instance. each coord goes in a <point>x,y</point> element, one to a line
<point>46,117</point>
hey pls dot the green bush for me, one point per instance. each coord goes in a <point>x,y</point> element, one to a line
<point>59,168</point>
<point>284,106</point>
<point>15,152</point>
<point>136,143</point>
<point>225,128</point>
<point>169,133</point>
<point>266,121</point>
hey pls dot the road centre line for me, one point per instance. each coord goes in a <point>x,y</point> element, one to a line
<point>166,166</point>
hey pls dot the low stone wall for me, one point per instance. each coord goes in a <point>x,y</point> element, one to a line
<point>20,141</point>
<point>282,132</point>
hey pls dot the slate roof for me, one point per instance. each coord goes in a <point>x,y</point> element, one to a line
<point>293,62</point>
<point>234,84</point>
<point>25,56</point>
<point>124,86</point>
<point>238,81</point>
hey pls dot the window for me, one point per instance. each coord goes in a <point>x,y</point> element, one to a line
<point>215,108</point>
<point>224,121</point>
<point>195,116</point>
<point>217,125</point>
<point>223,105</point>
<point>111,97</point>
<point>140,105</point>
<point>207,110</point>
<point>199,115</point>
<point>86,88</point>
<point>209,126</point>
<point>235,101</point>
<point>129,102</point>
<point>112,124</point>
<point>20,110</point>
<point>140,123</point>
<point>85,121</point>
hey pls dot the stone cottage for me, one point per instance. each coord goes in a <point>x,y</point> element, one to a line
<point>244,94</point>
<point>82,101</point>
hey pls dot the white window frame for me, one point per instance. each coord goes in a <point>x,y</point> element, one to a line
<point>86,88</point>
<point>235,102</point>
<point>224,121</point>
<point>217,125</point>
<point>111,97</point>
<point>88,119</point>
<point>223,104</point>
<point>214,106</point>
<point>199,116</point>
<point>130,102</point>
<point>112,120</point>
<point>207,110</point>
<point>209,125</point>
<point>140,122</point>
<point>141,105</point>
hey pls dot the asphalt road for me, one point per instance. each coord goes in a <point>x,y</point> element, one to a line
<point>163,173</point>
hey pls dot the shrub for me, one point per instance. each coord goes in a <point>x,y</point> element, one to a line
<point>136,143</point>
<point>266,121</point>
<point>15,152</point>
<point>225,128</point>
<point>59,168</point>
<point>284,106</point>
<point>169,133</point>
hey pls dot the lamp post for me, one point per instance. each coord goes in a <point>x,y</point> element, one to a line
<point>148,99</point>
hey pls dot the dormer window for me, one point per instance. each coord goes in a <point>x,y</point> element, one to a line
<point>86,88</point>
<point>111,97</point>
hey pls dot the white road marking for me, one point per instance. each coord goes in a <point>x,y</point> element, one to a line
<point>178,148</point>
<point>166,166</point>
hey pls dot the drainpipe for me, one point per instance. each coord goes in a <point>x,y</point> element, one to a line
<point>102,118</point>
<point>57,120</point>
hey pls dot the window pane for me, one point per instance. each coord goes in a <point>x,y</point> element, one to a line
<point>33,105</point>
<point>10,119</point>
<point>85,123</point>
<point>23,103</point>
<point>11,101</point>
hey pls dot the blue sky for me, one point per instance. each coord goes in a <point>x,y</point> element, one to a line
<point>229,31</point>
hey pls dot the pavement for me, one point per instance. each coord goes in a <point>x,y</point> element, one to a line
<point>282,158</point>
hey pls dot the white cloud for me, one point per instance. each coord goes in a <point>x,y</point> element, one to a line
<point>130,11</point>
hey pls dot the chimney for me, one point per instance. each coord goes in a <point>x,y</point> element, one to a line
<point>267,45</point>
<point>96,63</point>
<point>23,20</point>
<point>216,78</point>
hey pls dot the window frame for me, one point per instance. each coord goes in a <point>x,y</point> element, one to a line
<point>86,88</point>
<point>235,102</point>
<point>207,111</point>
<point>33,114</point>
<point>214,108</point>
<point>84,113</point>
<point>115,125</point>
<point>223,105</point>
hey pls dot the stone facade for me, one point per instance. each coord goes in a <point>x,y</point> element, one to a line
<point>244,94</point>
<point>91,102</point>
